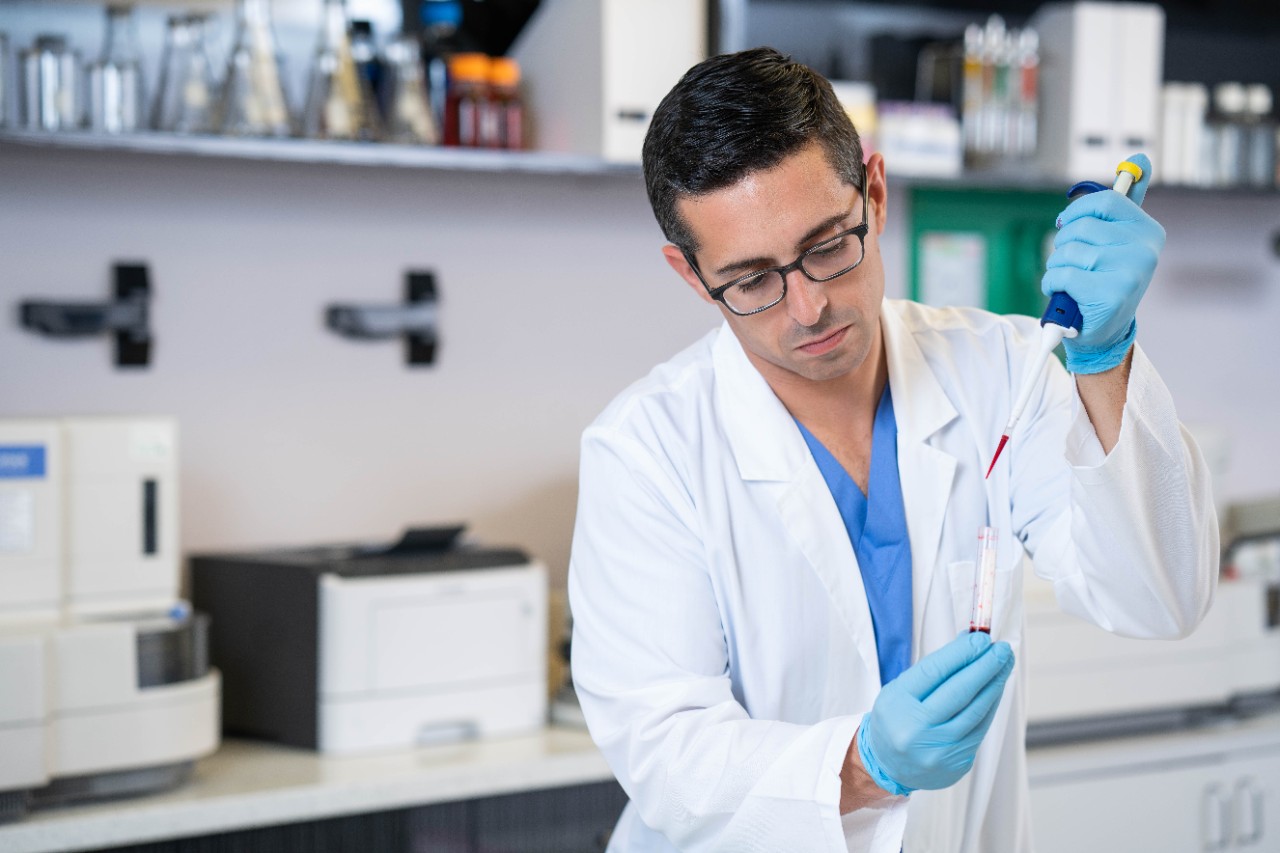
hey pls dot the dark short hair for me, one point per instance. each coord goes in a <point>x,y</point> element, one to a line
<point>735,114</point>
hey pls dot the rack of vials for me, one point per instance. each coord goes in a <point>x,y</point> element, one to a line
<point>999,90</point>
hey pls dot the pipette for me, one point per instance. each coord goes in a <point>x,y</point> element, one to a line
<point>1062,319</point>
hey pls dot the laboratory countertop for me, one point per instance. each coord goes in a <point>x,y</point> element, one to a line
<point>1213,741</point>
<point>247,784</point>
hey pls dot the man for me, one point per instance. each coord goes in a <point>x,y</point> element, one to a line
<point>773,552</point>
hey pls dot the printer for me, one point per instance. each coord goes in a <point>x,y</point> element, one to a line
<point>107,684</point>
<point>356,648</point>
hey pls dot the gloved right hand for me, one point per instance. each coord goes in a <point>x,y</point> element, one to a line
<point>1104,256</point>
<point>926,725</point>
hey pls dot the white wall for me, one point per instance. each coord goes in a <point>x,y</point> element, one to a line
<point>554,298</point>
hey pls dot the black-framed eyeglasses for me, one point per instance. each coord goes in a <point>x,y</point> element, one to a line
<point>762,289</point>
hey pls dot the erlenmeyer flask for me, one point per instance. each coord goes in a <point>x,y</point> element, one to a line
<point>339,102</point>
<point>409,117</point>
<point>115,80</point>
<point>252,101</point>
<point>184,97</point>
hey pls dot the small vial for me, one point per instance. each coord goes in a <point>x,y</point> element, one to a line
<point>466,99</point>
<point>984,581</point>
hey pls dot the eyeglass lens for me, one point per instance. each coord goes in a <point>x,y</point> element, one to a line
<point>824,261</point>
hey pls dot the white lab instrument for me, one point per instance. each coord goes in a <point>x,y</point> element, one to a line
<point>596,70</point>
<point>121,509</point>
<point>351,649</point>
<point>31,538</point>
<point>107,686</point>
<point>1087,682</point>
<point>1101,67</point>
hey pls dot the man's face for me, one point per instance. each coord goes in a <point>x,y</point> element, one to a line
<point>820,331</point>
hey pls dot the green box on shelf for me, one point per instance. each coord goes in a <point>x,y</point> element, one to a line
<point>981,247</point>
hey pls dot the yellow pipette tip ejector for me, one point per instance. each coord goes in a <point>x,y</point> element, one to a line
<point>1128,173</point>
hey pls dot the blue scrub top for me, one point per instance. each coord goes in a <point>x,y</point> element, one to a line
<point>877,528</point>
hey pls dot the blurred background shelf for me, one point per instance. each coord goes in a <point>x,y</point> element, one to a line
<point>324,152</point>
<point>1005,177</point>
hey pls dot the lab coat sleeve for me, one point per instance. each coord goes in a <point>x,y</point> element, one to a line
<point>650,665</point>
<point>1130,538</point>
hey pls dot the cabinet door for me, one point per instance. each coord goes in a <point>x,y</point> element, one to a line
<point>1255,791</point>
<point>1182,809</point>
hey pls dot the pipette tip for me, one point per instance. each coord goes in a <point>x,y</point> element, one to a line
<point>1004,439</point>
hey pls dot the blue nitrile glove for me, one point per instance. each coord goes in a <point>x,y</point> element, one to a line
<point>926,724</point>
<point>1104,255</point>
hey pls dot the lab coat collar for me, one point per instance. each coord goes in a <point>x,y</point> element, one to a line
<point>765,441</point>
<point>920,404</point>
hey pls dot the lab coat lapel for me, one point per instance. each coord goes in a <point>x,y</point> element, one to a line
<point>771,453</point>
<point>922,409</point>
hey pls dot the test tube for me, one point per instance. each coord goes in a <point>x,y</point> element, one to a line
<point>984,581</point>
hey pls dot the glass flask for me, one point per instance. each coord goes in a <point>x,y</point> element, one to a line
<point>370,66</point>
<point>252,102</point>
<point>51,98</point>
<point>115,79</point>
<point>185,93</point>
<point>410,120</point>
<point>339,102</point>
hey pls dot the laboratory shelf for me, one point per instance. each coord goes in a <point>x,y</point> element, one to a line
<point>249,784</point>
<point>1006,176</point>
<point>324,152</point>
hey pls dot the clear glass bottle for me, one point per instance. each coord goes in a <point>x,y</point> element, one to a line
<point>252,101</point>
<point>1028,91</point>
<point>972,98</point>
<point>1260,129</point>
<point>185,93</point>
<point>115,79</point>
<point>410,120</point>
<point>51,92</point>
<point>1226,134</point>
<point>994,85</point>
<point>339,103</point>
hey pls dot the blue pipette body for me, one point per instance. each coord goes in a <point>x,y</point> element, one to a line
<point>1062,317</point>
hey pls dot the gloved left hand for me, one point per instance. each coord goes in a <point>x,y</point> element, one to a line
<point>1104,256</point>
<point>927,724</point>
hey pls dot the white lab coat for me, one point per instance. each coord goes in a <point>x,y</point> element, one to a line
<point>723,649</point>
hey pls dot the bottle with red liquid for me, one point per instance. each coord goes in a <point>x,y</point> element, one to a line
<point>467,99</point>
<point>503,125</point>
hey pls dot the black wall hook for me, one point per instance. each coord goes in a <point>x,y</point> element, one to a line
<point>415,319</point>
<point>127,317</point>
